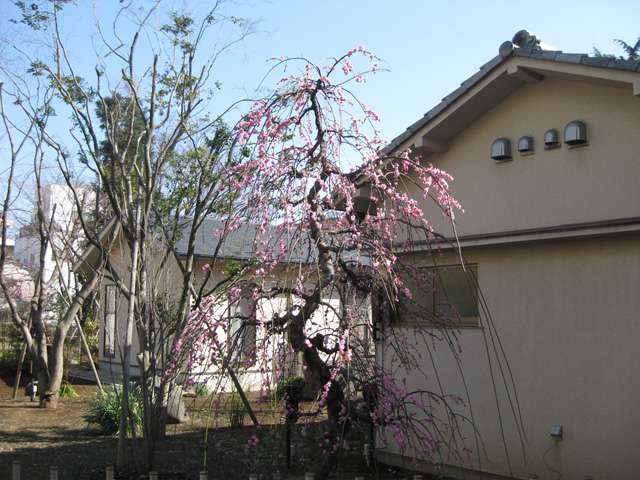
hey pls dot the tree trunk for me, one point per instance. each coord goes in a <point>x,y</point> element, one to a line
<point>16,386</point>
<point>126,366</point>
<point>51,369</point>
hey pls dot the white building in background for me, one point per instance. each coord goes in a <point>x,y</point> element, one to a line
<point>60,211</point>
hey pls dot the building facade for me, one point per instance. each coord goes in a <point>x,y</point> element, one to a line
<point>545,152</point>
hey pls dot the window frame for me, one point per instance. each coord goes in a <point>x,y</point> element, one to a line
<point>242,356</point>
<point>458,322</point>
<point>109,351</point>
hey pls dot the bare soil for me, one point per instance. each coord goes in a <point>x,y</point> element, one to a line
<point>41,438</point>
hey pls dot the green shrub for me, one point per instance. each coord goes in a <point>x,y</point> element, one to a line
<point>67,391</point>
<point>235,411</point>
<point>105,409</point>
<point>201,390</point>
<point>291,382</point>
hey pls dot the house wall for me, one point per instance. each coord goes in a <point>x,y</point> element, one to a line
<point>168,278</point>
<point>566,311</point>
<point>550,187</point>
<point>567,315</point>
<point>111,367</point>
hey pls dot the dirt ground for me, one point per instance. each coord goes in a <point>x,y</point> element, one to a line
<point>41,438</point>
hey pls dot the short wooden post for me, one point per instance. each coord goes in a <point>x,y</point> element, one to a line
<point>309,476</point>
<point>153,475</point>
<point>276,475</point>
<point>366,451</point>
<point>359,478</point>
<point>53,473</point>
<point>204,475</point>
<point>253,476</point>
<point>16,470</point>
<point>109,473</point>
<point>417,477</point>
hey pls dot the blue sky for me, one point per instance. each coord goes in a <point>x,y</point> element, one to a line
<point>430,47</point>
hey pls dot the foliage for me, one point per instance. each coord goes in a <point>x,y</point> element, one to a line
<point>631,50</point>
<point>122,124</point>
<point>201,390</point>
<point>91,328</point>
<point>143,125</point>
<point>11,340</point>
<point>106,407</point>
<point>37,14</point>
<point>68,391</point>
<point>297,383</point>
<point>236,411</point>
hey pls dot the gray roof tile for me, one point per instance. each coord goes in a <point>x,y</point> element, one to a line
<point>569,57</point>
<point>553,55</point>
<point>240,244</point>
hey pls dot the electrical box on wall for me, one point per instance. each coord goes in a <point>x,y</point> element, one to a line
<point>556,432</point>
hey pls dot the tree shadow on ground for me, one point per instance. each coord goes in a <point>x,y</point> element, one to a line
<point>80,454</point>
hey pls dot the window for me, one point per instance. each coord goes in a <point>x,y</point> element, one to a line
<point>242,328</point>
<point>109,347</point>
<point>357,308</point>
<point>442,295</point>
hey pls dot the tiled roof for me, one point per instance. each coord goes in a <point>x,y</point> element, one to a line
<point>508,50</point>
<point>241,243</point>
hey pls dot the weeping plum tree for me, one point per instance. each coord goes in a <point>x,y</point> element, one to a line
<point>330,269</point>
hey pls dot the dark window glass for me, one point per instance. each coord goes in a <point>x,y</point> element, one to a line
<point>444,294</point>
<point>242,333</point>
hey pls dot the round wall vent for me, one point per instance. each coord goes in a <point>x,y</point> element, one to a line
<point>501,149</point>
<point>575,133</point>
<point>525,144</point>
<point>551,139</point>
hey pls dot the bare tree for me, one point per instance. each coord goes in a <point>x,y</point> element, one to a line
<point>30,141</point>
<point>142,128</point>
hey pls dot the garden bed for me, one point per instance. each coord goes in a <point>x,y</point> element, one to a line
<point>41,438</point>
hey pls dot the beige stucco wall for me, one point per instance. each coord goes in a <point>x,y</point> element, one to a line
<point>566,311</point>
<point>550,187</point>
<point>568,316</point>
<point>165,279</point>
